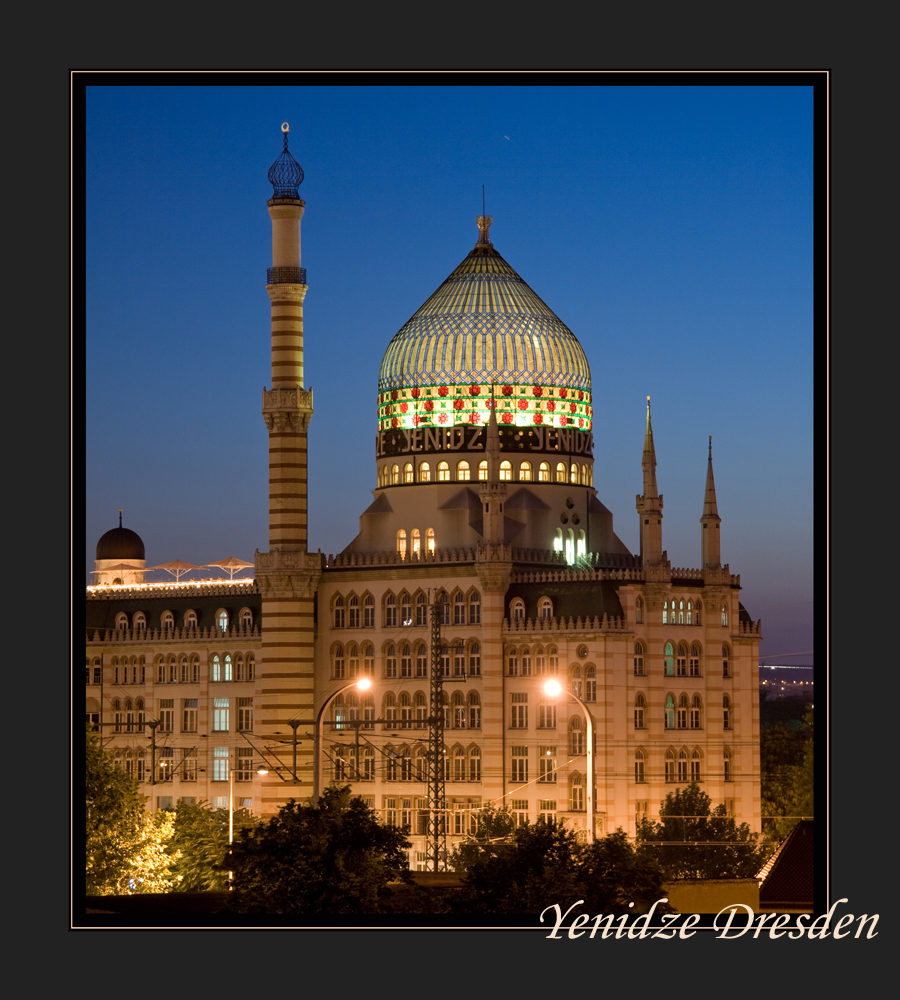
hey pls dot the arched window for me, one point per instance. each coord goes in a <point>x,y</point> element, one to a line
<point>506,470</point>
<point>215,668</point>
<point>670,711</point>
<point>368,659</point>
<point>352,660</point>
<point>408,473</point>
<point>245,616</point>
<point>443,472</point>
<point>395,475</point>
<point>584,475</point>
<point>369,612</point>
<point>474,659</point>
<point>590,683</point>
<point>416,541</point>
<point>406,660</point>
<point>140,620</point>
<point>339,713</point>
<point>724,614</point>
<point>353,611</point>
<point>474,764</point>
<point>424,472</point>
<point>581,545</point>
<point>525,662</point>
<point>696,710</point>
<point>512,663</point>
<point>459,659</point>
<point>445,660</point>
<point>401,542</point>
<point>483,471</point>
<point>683,766</point>
<point>681,660</point>
<point>570,546</point>
<point>389,713</point>
<point>545,609</point>
<point>575,683</point>
<point>168,620</point>
<point>681,716</point>
<point>338,606</point>
<point>696,757</point>
<point>517,610</point>
<point>222,619</point>
<point>573,474</point>
<point>459,710</point>
<point>190,619</point>
<point>390,660</point>
<point>459,608</point>
<point>390,611</point>
<point>474,710</point>
<point>560,472</point>
<point>420,706</point>
<point>639,610</point>
<point>689,613</point>
<point>544,472</point>
<point>337,664</point>
<point>429,540</point>
<point>670,765</point>
<point>463,473</point>
<point>474,608</point>
<point>639,767</point>
<point>695,660</point>
<point>726,712</point>
<point>726,755</point>
<point>459,764</point>
<point>669,660</point>
<point>726,661</point>
<point>173,669</point>
<point>639,706</point>
<point>576,736</point>
<point>552,660</point>
<point>638,660</point>
<point>525,472</point>
<point>405,710</point>
<point>540,661</point>
<point>405,608</point>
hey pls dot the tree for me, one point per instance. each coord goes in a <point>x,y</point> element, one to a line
<point>125,845</point>
<point>333,857</point>
<point>694,841</point>
<point>545,864</point>
<point>493,831</point>
<point>199,845</point>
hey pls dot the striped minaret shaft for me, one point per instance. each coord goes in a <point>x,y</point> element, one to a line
<point>287,574</point>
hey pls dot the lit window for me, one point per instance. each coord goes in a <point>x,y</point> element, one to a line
<point>525,472</point>
<point>483,470</point>
<point>724,614</point>
<point>463,473</point>
<point>429,540</point>
<point>408,473</point>
<point>573,474</point>
<point>558,541</point>
<point>639,610</point>
<point>546,714</point>
<point>584,475</point>
<point>670,712</point>
<point>474,608</point>
<point>639,766</point>
<point>338,664</point>
<point>189,715</point>
<point>443,472</point>
<point>561,472</point>
<point>220,765</point>
<point>424,473</point>
<point>669,660</point>
<point>506,470</point>
<point>401,542</point>
<point>639,706</point>
<point>395,475</point>
<point>220,715</point>
<point>368,612</point>
<point>547,764</point>
<point>544,472</point>
<point>222,619</point>
<point>416,541</point>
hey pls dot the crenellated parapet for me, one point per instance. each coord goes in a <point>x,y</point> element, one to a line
<point>573,575</point>
<point>293,573</point>
<point>157,635</point>
<point>224,588</point>
<point>750,628</point>
<point>606,623</point>
<point>348,560</point>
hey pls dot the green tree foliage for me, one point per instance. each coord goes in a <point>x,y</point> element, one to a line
<point>125,845</point>
<point>199,845</point>
<point>692,840</point>
<point>786,765</point>
<point>545,864</point>
<point>494,830</point>
<point>334,857</point>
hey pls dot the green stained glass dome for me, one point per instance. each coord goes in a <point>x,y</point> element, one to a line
<point>484,326</point>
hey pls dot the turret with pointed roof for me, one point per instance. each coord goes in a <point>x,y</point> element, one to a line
<point>650,503</point>
<point>709,532</point>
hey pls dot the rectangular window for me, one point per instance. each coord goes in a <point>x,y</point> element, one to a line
<point>166,764</point>
<point>547,810</point>
<point>220,765</point>
<point>475,660</point>
<point>244,764</point>
<point>220,715</point>
<point>640,811</point>
<point>547,716</point>
<point>390,811</point>
<point>166,715</point>
<point>547,764</point>
<point>519,712</point>
<point>519,809</point>
<point>189,765</point>
<point>98,675</point>
<point>189,715</point>
<point>93,720</point>
<point>520,764</point>
<point>245,715</point>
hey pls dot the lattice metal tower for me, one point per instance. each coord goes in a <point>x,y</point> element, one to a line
<point>437,809</point>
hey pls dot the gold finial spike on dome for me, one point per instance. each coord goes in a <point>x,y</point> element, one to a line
<point>484,225</point>
<point>120,517</point>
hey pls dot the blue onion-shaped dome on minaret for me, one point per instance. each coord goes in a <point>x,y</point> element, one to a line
<point>285,174</point>
<point>483,335</point>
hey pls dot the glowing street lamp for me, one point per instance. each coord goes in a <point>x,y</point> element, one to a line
<point>554,689</point>
<point>363,684</point>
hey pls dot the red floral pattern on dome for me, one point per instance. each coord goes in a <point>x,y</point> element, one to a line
<point>507,418</point>
<point>538,418</point>
<point>395,422</point>
<point>551,405</point>
<point>404,407</point>
<point>458,404</point>
<point>538,390</point>
<point>393,393</point>
<point>415,392</point>
<point>573,407</point>
<point>475,418</point>
<point>562,393</point>
<point>442,390</point>
<point>581,421</point>
<point>429,405</point>
<point>581,394</point>
<point>523,404</point>
<point>475,390</point>
<point>442,418</point>
<point>507,390</point>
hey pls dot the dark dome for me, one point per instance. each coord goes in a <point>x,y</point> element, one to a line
<point>120,543</point>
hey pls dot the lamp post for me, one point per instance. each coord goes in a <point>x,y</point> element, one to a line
<point>363,684</point>
<point>554,689</point>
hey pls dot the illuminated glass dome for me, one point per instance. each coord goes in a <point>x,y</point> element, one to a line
<point>484,326</point>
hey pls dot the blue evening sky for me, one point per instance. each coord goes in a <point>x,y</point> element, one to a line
<point>670,227</point>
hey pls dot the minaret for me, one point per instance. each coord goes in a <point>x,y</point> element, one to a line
<point>288,574</point>
<point>650,504</point>
<point>709,533</point>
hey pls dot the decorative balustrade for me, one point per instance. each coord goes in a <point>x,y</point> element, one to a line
<point>606,623</point>
<point>202,588</point>
<point>144,635</point>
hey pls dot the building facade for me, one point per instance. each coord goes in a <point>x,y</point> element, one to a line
<point>485,515</point>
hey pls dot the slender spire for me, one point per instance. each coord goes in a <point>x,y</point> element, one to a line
<point>649,505</point>
<point>492,443</point>
<point>120,517</point>
<point>710,553</point>
<point>649,462</point>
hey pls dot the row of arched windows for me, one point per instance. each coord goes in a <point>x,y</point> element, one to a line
<point>681,766</point>
<point>680,660</point>
<point>414,542</point>
<point>458,658</point>
<point>189,620</point>
<point>463,472</point>
<point>181,668</point>
<point>405,609</point>
<point>679,611</point>
<point>523,661</point>
<point>405,710</point>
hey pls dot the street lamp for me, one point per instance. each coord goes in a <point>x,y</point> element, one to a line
<point>554,689</point>
<point>363,684</point>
